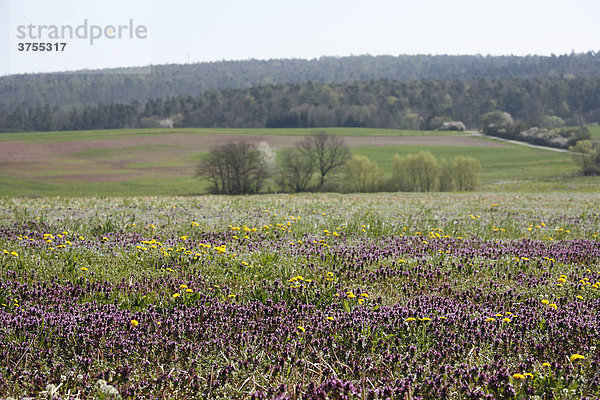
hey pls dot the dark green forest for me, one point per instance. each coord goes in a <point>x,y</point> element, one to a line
<point>111,86</point>
<point>410,92</point>
<point>422,104</point>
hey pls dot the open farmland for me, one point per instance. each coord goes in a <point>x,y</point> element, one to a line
<point>158,162</point>
<point>479,296</point>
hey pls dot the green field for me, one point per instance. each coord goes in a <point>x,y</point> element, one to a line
<point>68,136</point>
<point>164,162</point>
<point>595,131</point>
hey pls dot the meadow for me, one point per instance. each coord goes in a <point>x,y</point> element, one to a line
<point>158,162</point>
<point>322,296</point>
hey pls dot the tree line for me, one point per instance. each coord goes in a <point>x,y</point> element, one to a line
<point>322,162</point>
<point>125,85</point>
<point>501,124</point>
<point>411,104</point>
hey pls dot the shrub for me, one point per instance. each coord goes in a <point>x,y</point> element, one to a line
<point>497,123</point>
<point>416,173</point>
<point>587,156</point>
<point>452,126</point>
<point>465,172</point>
<point>363,175</point>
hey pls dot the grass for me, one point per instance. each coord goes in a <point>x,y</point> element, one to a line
<point>151,164</point>
<point>500,165</point>
<point>595,132</point>
<point>68,136</point>
<point>304,296</point>
<point>184,186</point>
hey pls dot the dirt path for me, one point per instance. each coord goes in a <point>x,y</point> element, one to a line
<point>535,146</point>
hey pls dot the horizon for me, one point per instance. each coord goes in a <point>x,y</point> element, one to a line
<point>150,66</point>
<point>192,32</point>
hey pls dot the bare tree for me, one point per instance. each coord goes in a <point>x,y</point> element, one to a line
<point>234,168</point>
<point>297,169</point>
<point>328,153</point>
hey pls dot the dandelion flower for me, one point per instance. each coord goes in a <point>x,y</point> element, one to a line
<point>84,268</point>
<point>176,295</point>
<point>183,286</point>
<point>134,323</point>
<point>579,297</point>
<point>490,319</point>
<point>553,306</point>
<point>545,302</point>
<point>576,357</point>
<point>506,320</point>
<point>546,365</point>
<point>301,329</point>
<point>518,376</point>
<point>410,319</point>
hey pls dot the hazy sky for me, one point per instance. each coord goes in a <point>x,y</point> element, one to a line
<point>182,30</point>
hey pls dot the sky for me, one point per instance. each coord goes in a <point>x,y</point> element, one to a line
<point>180,31</point>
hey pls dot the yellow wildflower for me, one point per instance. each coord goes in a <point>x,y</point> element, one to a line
<point>576,357</point>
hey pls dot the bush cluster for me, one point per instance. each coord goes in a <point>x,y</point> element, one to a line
<point>322,162</point>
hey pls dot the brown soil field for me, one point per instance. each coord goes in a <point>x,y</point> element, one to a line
<point>60,161</point>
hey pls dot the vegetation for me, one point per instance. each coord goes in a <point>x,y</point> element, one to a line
<point>381,296</point>
<point>164,162</point>
<point>501,124</point>
<point>423,173</point>
<point>363,175</point>
<point>165,81</point>
<point>327,152</point>
<point>587,156</point>
<point>236,168</point>
<point>420,104</point>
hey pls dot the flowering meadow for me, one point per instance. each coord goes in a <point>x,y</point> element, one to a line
<point>394,296</point>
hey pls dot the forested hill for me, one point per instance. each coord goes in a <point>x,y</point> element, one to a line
<point>68,91</point>
<point>384,103</point>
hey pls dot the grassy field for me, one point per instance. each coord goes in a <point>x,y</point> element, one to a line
<point>322,296</point>
<point>595,131</point>
<point>68,136</point>
<point>159,162</point>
